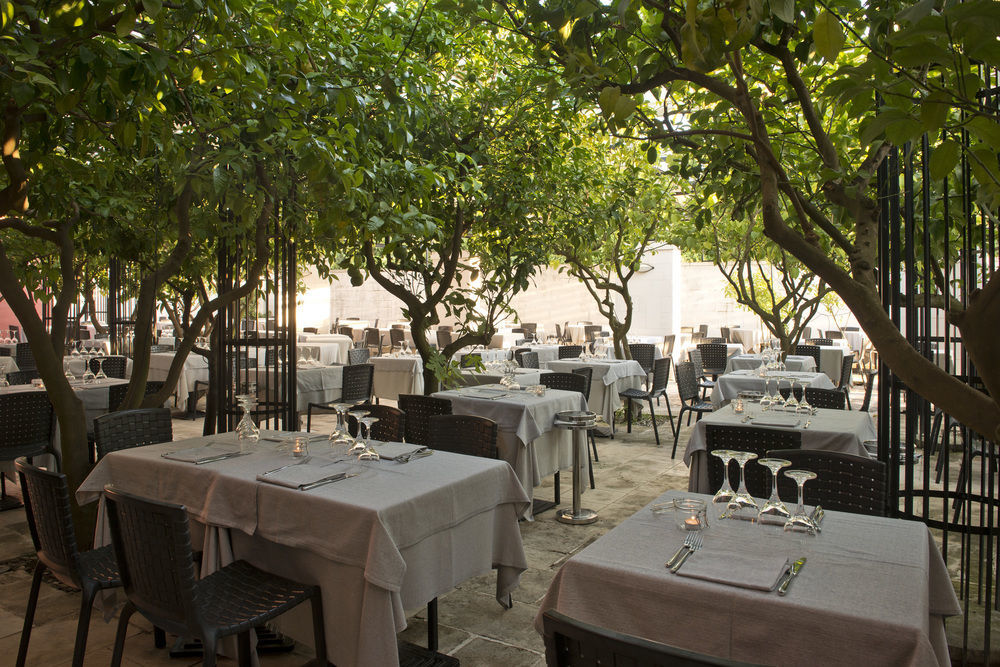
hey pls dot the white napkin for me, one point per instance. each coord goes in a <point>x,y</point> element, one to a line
<point>297,476</point>
<point>394,450</point>
<point>760,573</point>
<point>203,453</point>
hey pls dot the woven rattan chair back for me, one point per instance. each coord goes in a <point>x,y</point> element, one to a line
<point>573,643</point>
<point>687,381</point>
<point>396,336</point>
<point>588,373</point>
<point>810,351</point>
<point>24,357</point>
<point>661,375</point>
<point>713,357</point>
<point>518,352</point>
<point>419,409</point>
<point>833,399</point>
<point>727,336</point>
<point>25,425</point>
<point>703,330</point>
<point>358,355</point>
<point>694,356</point>
<point>152,543</point>
<point>668,345</point>
<point>390,427</point>
<point>346,331</point>
<point>591,332</point>
<point>570,351</point>
<point>373,338</point>
<point>565,382</point>
<point>528,360</point>
<point>443,338</point>
<point>114,367</point>
<point>846,369</point>
<point>643,353</point>
<point>530,330</point>
<point>834,335</point>
<point>471,360</point>
<point>117,392</point>
<point>357,384</point>
<point>844,482</point>
<point>746,439</point>
<point>132,428</point>
<point>47,509</point>
<point>463,434</point>
<point>822,342</point>
<point>23,376</point>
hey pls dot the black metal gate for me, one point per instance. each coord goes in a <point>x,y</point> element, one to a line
<point>953,487</point>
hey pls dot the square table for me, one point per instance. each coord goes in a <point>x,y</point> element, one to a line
<point>610,377</point>
<point>748,338</point>
<point>195,369</point>
<point>392,538</point>
<point>729,385</point>
<point>526,438</point>
<point>873,591</point>
<point>397,375</point>
<point>793,362</point>
<point>525,377</point>
<point>332,347</point>
<point>830,430</point>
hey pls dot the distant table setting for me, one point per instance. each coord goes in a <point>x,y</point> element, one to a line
<point>395,375</point>
<point>610,376</point>
<point>866,590</point>
<point>332,347</point>
<point>406,531</point>
<point>728,386</point>
<point>793,362</point>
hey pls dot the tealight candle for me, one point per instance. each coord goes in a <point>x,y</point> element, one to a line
<point>300,448</point>
<point>692,523</point>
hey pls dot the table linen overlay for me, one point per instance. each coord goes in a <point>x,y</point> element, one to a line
<point>730,385</point>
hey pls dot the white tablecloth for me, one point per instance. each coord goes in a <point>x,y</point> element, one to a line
<point>8,365</point>
<point>525,377</point>
<point>831,360</point>
<point>397,375</point>
<point>320,384</point>
<point>830,430</point>
<point>793,362</point>
<point>390,539</point>
<point>730,385</point>
<point>489,355</point>
<point>525,435</point>
<point>195,369</point>
<point>78,365</point>
<point>333,347</point>
<point>610,377</point>
<point>873,591</point>
<point>545,352</point>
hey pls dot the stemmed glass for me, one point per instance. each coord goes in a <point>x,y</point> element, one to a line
<point>742,498</point>
<point>777,400</point>
<point>340,436</point>
<point>76,348</point>
<point>359,445</point>
<point>804,404</point>
<point>800,520</point>
<point>725,492</point>
<point>765,399</point>
<point>773,506</point>
<point>791,401</point>
<point>67,371</point>
<point>100,369</point>
<point>3,380</point>
<point>246,431</point>
<point>88,375</point>
<point>368,454</point>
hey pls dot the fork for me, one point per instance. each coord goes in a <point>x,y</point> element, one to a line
<point>695,545</point>
<point>688,541</point>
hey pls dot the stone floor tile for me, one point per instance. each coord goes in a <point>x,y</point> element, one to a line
<point>482,652</point>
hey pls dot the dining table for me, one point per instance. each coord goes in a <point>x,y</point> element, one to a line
<point>748,338</point>
<point>7,365</point>
<point>729,385</point>
<point>793,362</point>
<point>524,377</point>
<point>828,430</point>
<point>392,536</point>
<point>332,348</point>
<point>395,375</point>
<point>870,591</point>
<point>527,438</point>
<point>610,377</point>
<point>195,369</point>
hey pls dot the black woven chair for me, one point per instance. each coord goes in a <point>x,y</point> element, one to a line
<point>704,384</point>
<point>390,427</point>
<point>687,389</point>
<point>809,350</point>
<point>821,342</point>
<point>373,341</point>
<point>24,357</point>
<point>713,358</point>
<point>668,345</point>
<point>355,388</point>
<point>530,330</point>
<point>23,376</point>
<point>570,351</point>
<point>114,366</point>
<point>463,434</point>
<point>727,336</point>
<point>644,353</point>
<point>25,430</point>
<point>833,399</point>
<point>152,543</point>
<point>131,428</point>
<point>528,360</point>
<point>844,482</point>
<point>346,331</point>
<point>846,371</point>
<point>573,643</point>
<point>46,507</point>
<point>869,382</point>
<point>661,376</point>
<point>117,392</point>
<point>565,382</point>
<point>396,336</point>
<point>746,439</point>
<point>419,409</point>
<point>312,330</point>
<point>358,355</point>
<point>835,335</point>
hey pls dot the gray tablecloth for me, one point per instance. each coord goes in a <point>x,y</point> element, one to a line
<point>195,369</point>
<point>610,377</point>
<point>873,591</point>
<point>390,539</point>
<point>829,430</point>
<point>525,377</point>
<point>730,385</point>
<point>793,362</point>
<point>397,375</point>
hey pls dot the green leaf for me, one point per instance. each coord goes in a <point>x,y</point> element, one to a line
<point>152,7</point>
<point>126,22</point>
<point>624,107</point>
<point>987,130</point>
<point>828,35</point>
<point>934,110</point>
<point>944,159</point>
<point>784,10</point>
<point>608,99</point>
<point>651,155</point>
<point>983,162</point>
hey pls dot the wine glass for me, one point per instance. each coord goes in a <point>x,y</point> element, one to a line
<point>340,436</point>
<point>76,348</point>
<point>742,498</point>
<point>3,380</point>
<point>804,404</point>
<point>773,506</point>
<point>67,371</point>
<point>247,431</point>
<point>88,375</point>
<point>100,369</point>
<point>791,401</point>
<point>765,399</point>
<point>800,520</point>
<point>368,454</point>
<point>359,445</point>
<point>725,492</point>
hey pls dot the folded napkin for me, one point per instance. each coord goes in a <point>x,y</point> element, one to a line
<point>297,476</point>
<point>204,453</point>
<point>786,421</point>
<point>394,450</point>
<point>760,573</point>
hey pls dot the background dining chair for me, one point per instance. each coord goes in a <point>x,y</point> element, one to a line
<point>131,428</point>
<point>24,357</point>
<point>356,387</point>
<point>358,355</point>
<point>746,439</point>
<point>114,367</point>
<point>834,335</point>
<point>152,543</point>
<point>443,337</point>
<point>701,378</point>
<point>822,342</point>
<point>117,392</point>
<point>373,341</point>
<point>573,643</point>
<point>643,353</point>
<point>713,358</point>
<point>661,376</point>
<point>844,482</point>
<point>530,330</point>
<point>25,430</point>
<point>832,399</point>
<point>528,359</point>
<point>418,410</point>
<point>396,337</point>
<point>312,330</point>
<point>390,427</point>
<point>463,434</point>
<point>810,351</point>
<point>23,376</point>
<point>570,351</point>
<point>687,389</point>
<point>46,507</point>
<point>846,371</point>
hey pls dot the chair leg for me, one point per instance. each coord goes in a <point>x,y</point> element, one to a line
<point>593,444</point>
<point>590,461</point>
<point>555,483</point>
<point>83,625</point>
<point>319,628</point>
<point>677,431</point>
<point>159,637</point>
<point>29,613</point>
<point>243,649</point>
<point>670,412</point>
<point>432,625</point>
<point>628,413</point>
<point>209,647</point>
<point>652,417</point>
<point>127,611</point>
<point>309,418</point>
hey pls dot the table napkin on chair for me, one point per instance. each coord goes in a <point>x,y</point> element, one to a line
<point>733,569</point>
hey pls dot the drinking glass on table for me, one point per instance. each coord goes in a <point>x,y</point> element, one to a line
<point>359,445</point>
<point>791,401</point>
<point>800,520</point>
<point>368,454</point>
<point>725,492</point>
<point>742,498</point>
<point>773,506</point>
<point>340,436</point>
<point>67,371</point>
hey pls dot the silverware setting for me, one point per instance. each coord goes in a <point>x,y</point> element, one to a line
<point>290,465</point>
<point>415,454</point>
<point>688,541</point>
<point>793,572</point>
<point>221,457</point>
<point>327,480</point>
<point>694,546</point>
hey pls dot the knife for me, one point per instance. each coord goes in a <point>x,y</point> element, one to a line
<point>792,573</point>
<point>327,480</point>
<point>221,457</point>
